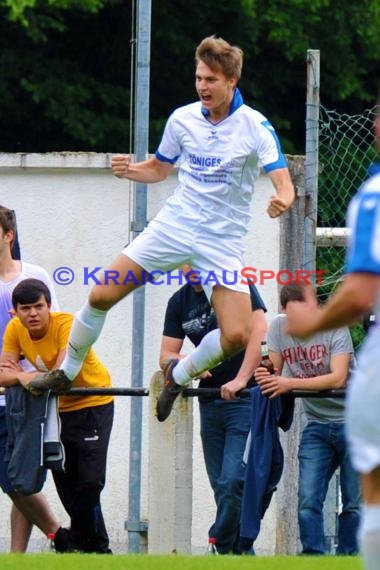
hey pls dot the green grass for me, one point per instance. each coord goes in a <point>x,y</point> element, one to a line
<point>173,562</point>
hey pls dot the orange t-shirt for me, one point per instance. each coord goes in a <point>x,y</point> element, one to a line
<point>43,354</point>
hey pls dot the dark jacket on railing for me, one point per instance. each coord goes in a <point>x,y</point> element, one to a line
<point>265,459</point>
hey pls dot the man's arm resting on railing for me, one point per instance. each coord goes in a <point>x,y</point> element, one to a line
<point>276,385</point>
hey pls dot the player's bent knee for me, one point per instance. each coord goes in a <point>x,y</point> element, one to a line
<point>234,340</point>
<point>101,299</point>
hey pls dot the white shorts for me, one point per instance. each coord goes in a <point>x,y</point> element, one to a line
<point>363,407</point>
<point>161,248</point>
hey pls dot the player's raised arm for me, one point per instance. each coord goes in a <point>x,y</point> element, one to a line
<point>151,170</point>
<point>285,196</point>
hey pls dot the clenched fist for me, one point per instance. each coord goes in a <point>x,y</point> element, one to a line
<point>120,165</point>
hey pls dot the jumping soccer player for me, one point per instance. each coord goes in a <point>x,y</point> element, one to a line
<point>219,144</point>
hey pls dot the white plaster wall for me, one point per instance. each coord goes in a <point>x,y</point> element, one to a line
<point>72,212</point>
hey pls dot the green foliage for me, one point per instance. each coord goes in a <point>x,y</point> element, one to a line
<point>357,335</point>
<point>96,103</point>
<point>50,48</point>
<point>346,150</point>
<point>21,10</point>
<point>342,171</point>
<point>60,89</point>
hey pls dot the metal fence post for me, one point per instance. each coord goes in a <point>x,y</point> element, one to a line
<point>134,525</point>
<point>311,164</point>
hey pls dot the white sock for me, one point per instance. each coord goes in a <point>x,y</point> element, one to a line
<point>370,537</point>
<point>85,330</point>
<point>206,355</point>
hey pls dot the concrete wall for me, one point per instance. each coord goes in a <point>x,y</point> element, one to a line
<point>73,213</point>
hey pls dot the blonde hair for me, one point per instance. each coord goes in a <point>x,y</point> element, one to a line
<point>218,54</point>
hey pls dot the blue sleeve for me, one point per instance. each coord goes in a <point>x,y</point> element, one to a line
<point>364,219</point>
<point>270,159</point>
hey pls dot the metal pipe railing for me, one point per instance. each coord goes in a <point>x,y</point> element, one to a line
<point>193,392</point>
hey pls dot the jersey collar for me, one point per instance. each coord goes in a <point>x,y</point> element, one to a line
<point>237,101</point>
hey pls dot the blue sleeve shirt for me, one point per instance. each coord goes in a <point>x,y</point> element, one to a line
<point>364,220</point>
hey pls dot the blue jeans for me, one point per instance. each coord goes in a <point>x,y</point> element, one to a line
<point>322,449</point>
<point>224,430</point>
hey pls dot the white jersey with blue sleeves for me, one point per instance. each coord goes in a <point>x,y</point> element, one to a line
<point>218,165</point>
<point>364,220</point>
<point>363,399</point>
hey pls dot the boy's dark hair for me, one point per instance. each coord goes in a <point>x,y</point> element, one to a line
<point>291,292</point>
<point>29,291</point>
<point>8,222</point>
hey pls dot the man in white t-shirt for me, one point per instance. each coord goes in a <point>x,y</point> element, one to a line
<point>219,143</point>
<point>33,509</point>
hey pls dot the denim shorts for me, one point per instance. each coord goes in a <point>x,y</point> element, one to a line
<point>5,484</point>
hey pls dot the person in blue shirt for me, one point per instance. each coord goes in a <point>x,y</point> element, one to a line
<point>359,291</point>
<point>219,143</point>
<point>224,424</point>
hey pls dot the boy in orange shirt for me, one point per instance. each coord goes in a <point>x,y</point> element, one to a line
<point>41,336</point>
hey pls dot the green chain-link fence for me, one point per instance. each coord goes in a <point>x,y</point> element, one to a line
<point>346,149</point>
